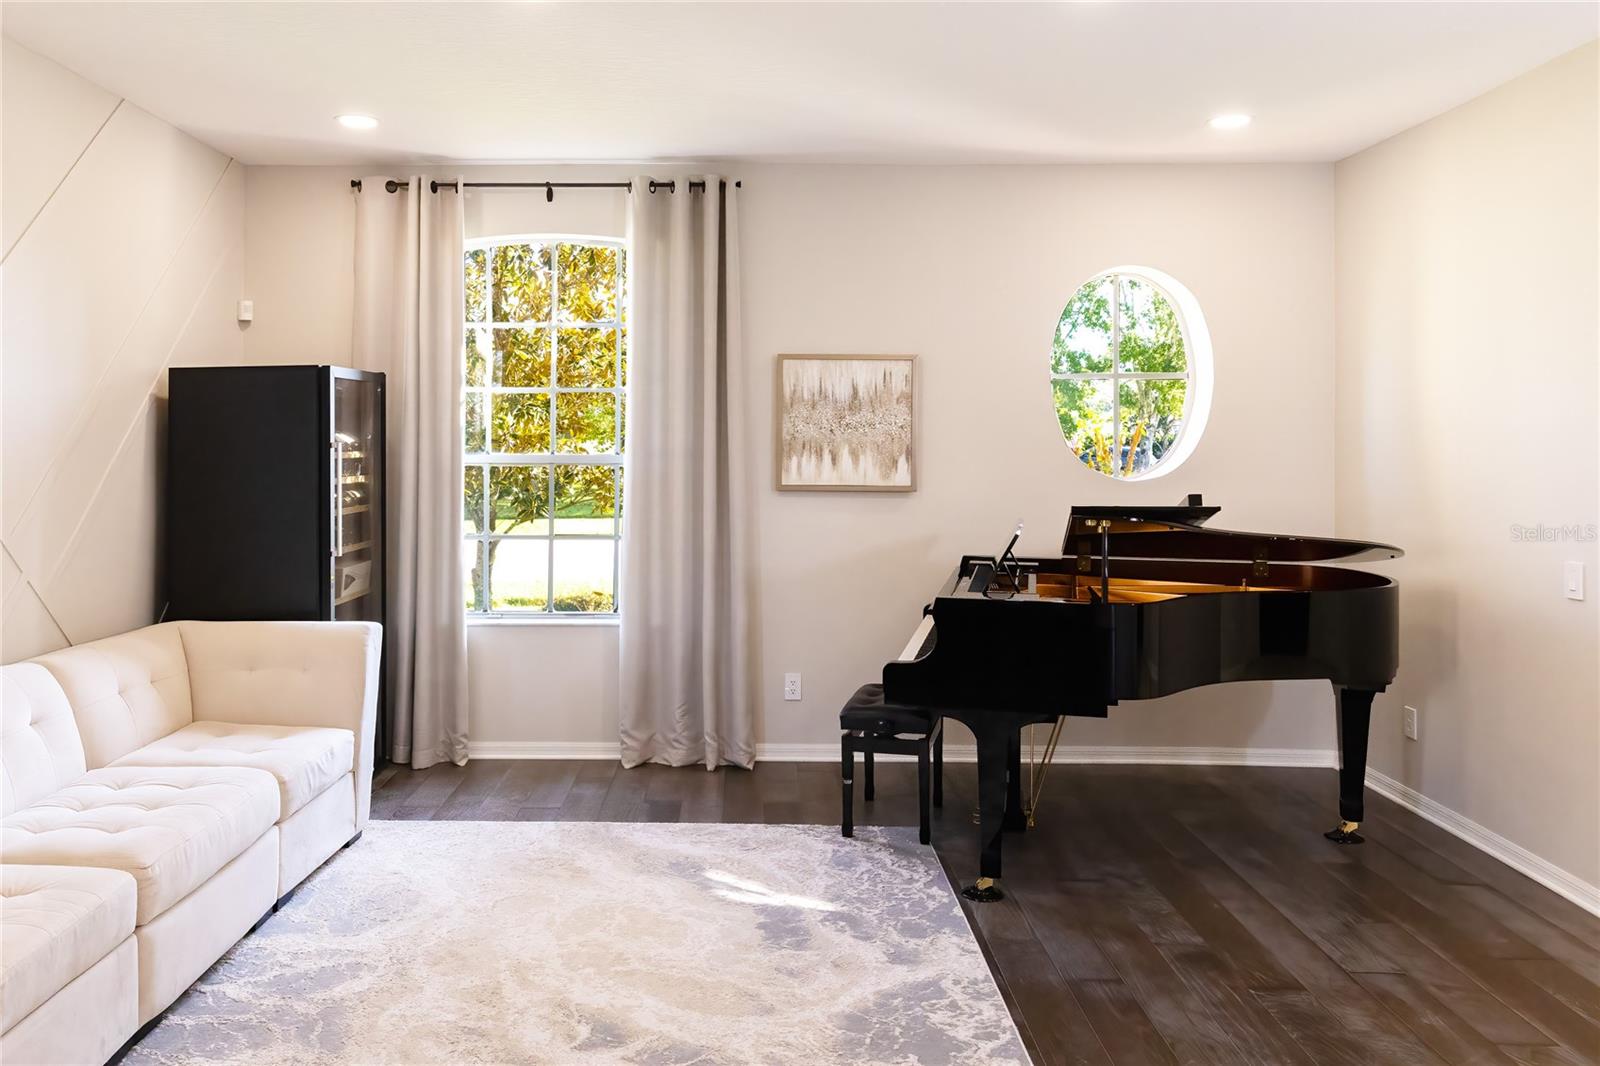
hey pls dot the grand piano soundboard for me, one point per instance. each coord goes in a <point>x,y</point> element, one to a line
<point>1141,603</point>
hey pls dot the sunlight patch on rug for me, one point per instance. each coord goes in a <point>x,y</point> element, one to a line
<point>590,942</point>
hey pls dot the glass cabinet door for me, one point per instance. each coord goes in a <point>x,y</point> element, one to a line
<point>358,498</point>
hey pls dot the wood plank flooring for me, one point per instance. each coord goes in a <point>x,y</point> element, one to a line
<point>1171,914</point>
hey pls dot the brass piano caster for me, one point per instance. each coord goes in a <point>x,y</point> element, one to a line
<point>1345,833</point>
<point>986,890</point>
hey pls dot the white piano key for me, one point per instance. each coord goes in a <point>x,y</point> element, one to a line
<point>914,645</point>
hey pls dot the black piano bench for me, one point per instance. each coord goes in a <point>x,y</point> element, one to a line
<point>872,727</point>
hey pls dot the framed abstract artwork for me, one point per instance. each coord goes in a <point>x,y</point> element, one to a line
<point>846,423</point>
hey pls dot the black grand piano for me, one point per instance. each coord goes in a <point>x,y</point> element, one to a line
<point>1143,602</point>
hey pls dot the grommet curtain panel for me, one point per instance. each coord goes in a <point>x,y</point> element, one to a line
<point>407,323</point>
<point>686,593</point>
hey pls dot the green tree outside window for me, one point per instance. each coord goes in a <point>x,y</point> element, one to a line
<point>545,345</point>
<point>1120,374</point>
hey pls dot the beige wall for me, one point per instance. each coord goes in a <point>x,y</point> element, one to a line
<point>124,253</point>
<point>968,268</point>
<point>1466,405</point>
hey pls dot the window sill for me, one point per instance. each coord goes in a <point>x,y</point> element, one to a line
<point>578,620</point>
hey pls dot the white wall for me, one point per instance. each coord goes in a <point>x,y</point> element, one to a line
<point>1467,373</point>
<point>124,253</point>
<point>968,268</point>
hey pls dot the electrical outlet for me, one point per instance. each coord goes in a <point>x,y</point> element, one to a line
<point>791,686</point>
<point>1409,723</point>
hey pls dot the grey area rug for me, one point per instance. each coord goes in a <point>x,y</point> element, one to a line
<point>545,942</point>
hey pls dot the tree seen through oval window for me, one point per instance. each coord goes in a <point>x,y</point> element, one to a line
<point>1120,374</point>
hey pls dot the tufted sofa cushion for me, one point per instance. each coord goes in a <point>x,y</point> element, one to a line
<point>40,749</point>
<point>170,827</point>
<point>55,923</point>
<point>290,673</point>
<point>305,760</point>
<point>125,690</point>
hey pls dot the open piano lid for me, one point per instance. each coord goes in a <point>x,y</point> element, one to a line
<point>1176,533</point>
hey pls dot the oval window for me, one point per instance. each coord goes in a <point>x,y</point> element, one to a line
<point>1130,372</point>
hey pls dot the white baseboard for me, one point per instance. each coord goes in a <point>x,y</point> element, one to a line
<point>955,753</point>
<point>609,750</point>
<point>1089,755</point>
<point>1567,885</point>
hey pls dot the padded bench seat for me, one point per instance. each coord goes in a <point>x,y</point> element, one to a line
<point>170,827</point>
<point>865,711</point>
<point>304,760</point>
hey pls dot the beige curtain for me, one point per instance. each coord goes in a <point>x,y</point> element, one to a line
<point>408,317</point>
<point>686,590</point>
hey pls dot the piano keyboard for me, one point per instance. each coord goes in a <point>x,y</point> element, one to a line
<point>913,646</point>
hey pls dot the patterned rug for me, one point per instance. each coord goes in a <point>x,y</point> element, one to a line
<point>548,942</point>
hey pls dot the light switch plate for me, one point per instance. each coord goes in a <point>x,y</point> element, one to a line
<point>1572,577</point>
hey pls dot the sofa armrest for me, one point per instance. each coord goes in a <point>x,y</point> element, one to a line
<point>290,673</point>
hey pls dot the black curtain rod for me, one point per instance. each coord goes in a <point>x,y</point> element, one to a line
<point>549,187</point>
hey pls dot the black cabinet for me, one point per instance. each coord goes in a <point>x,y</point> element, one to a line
<point>275,493</point>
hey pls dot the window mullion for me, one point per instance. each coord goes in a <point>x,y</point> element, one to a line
<point>483,535</point>
<point>550,545</point>
<point>1116,368</point>
<point>1103,374</point>
<point>550,500</point>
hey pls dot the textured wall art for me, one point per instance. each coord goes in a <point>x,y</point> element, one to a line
<point>846,422</point>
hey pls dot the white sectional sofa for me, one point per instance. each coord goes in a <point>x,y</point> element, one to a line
<point>160,791</point>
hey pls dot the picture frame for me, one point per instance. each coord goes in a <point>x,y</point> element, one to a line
<point>845,423</point>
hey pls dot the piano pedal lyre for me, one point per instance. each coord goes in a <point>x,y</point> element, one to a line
<point>1345,833</point>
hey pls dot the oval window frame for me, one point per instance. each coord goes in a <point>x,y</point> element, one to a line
<point>1198,363</point>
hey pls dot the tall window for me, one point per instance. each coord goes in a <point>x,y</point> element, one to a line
<point>546,362</point>
<point>1130,373</point>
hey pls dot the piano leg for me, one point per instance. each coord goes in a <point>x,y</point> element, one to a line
<point>1016,819</point>
<point>1355,714</point>
<point>994,740</point>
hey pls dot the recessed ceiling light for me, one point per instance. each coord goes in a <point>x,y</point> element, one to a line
<point>1232,121</point>
<point>360,122</point>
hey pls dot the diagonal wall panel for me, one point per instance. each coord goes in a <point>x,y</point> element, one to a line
<point>189,291</point>
<point>110,580</point>
<point>132,259</point>
<point>10,577</point>
<point>77,282</point>
<point>28,629</point>
<point>110,575</point>
<point>50,116</point>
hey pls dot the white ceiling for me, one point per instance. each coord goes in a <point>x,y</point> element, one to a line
<point>911,82</point>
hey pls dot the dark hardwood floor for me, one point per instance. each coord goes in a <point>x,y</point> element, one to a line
<point>1172,914</point>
